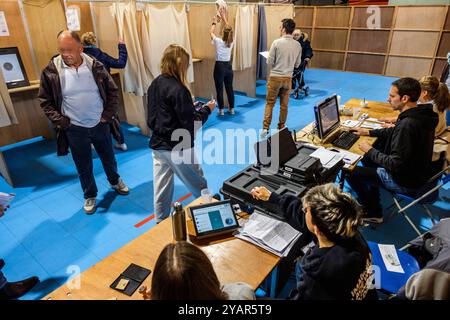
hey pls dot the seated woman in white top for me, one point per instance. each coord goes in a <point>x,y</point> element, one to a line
<point>184,272</point>
<point>223,73</point>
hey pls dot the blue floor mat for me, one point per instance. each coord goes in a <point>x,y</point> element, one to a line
<point>46,232</point>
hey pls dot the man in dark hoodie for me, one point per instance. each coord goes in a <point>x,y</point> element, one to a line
<point>339,264</point>
<point>400,160</point>
<point>80,98</point>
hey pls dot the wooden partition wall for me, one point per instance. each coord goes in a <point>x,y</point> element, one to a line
<point>410,40</point>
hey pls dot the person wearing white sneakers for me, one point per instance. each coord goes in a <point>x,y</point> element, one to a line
<point>173,121</point>
<point>223,72</point>
<point>81,99</point>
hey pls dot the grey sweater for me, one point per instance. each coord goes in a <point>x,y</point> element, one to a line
<point>285,54</point>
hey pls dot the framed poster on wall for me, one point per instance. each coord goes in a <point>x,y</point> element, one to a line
<point>12,68</point>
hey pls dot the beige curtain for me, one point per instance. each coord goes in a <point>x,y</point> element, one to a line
<point>136,80</point>
<point>274,15</point>
<point>243,37</point>
<point>112,21</point>
<point>164,25</point>
<point>7,114</point>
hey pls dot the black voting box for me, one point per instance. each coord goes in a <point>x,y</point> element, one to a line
<point>287,168</point>
<point>238,187</point>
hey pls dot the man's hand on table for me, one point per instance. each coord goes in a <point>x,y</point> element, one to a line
<point>365,146</point>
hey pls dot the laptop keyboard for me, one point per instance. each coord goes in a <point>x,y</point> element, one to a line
<point>345,140</point>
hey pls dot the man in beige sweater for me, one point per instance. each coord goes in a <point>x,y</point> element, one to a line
<point>285,54</point>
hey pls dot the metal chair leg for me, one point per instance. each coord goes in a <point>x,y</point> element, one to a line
<point>429,214</point>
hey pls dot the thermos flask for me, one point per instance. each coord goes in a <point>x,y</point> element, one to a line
<point>179,222</point>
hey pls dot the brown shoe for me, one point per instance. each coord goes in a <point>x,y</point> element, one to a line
<point>14,290</point>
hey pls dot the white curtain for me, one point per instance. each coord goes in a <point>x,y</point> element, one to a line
<point>135,77</point>
<point>243,37</point>
<point>7,114</point>
<point>164,25</point>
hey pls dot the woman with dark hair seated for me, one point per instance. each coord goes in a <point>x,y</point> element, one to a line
<point>184,272</point>
<point>339,264</point>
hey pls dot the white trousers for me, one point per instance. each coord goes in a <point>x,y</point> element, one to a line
<point>185,165</point>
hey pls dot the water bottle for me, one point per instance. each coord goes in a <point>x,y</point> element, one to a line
<point>179,222</point>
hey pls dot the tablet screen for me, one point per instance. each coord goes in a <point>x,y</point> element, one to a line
<point>212,217</point>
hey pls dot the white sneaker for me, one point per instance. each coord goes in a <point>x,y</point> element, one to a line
<point>264,134</point>
<point>122,146</point>
<point>89,205</point>
<point>231,111</point>
<point>221,113</point>
<point>121,188</point>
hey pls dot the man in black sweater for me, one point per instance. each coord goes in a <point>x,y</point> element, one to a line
<point>339,264</point>
<point>400,160</point>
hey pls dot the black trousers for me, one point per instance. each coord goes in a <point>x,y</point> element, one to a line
<point>223,73</point>
<point>80,140</point>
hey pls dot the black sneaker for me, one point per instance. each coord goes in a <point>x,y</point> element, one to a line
<point>14,290</point>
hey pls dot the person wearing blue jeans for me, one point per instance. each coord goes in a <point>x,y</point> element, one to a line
<point>400,160</point>
<point>81,99</point>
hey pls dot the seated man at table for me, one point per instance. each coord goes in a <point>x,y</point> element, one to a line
<point>339,265</point>
<point>400,160</point>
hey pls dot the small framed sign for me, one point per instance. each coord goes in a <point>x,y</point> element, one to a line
<point>12,68</point>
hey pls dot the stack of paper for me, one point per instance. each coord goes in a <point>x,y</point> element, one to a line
<point>5,199</point>
<point>271,234</point>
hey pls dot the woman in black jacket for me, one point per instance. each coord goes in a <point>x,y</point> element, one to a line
<point>339,265</point>
<point>89,41</point>
<point>173,120</point>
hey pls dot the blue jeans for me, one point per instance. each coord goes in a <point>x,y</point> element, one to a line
<point>298,272</point>
<point>366,182</point>
<point>80,140</point>
<point>3,281</point>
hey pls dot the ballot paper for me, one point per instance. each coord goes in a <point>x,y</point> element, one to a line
<point>328,158</point>
<point>6,198</point>
<point>371,125</point>
<point>265,54</point>
<point>350,123</point>
<point>273,235</point>
<point>390,258</point>
<point>349,158</point>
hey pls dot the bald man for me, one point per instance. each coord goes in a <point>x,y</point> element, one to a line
<point>80,98</point>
